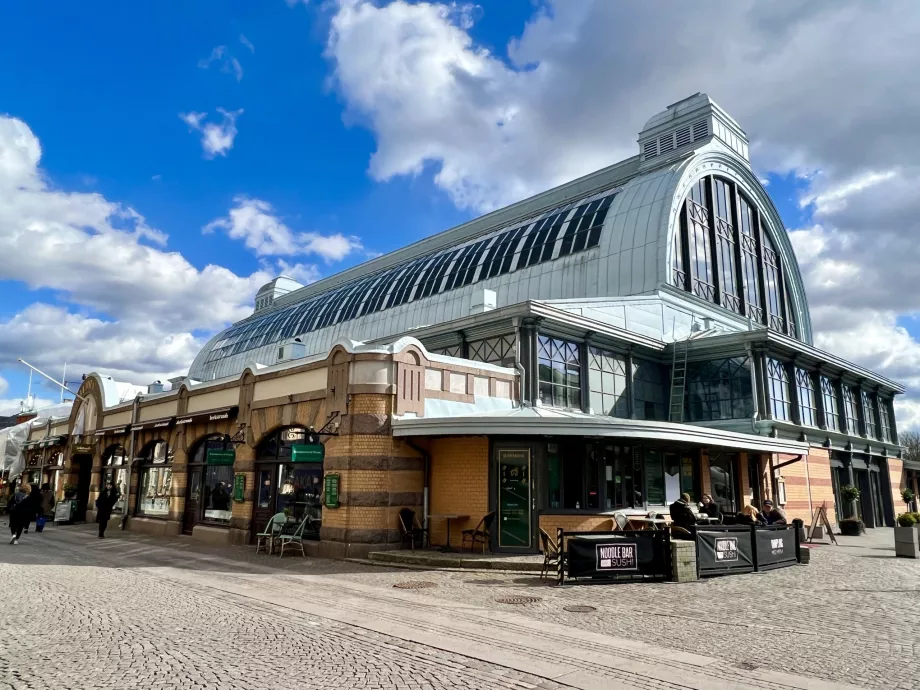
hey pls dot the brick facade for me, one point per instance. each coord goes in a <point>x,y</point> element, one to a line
<point>459,484</point>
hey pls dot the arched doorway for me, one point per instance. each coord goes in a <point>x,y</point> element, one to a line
<point>210,483</point>
<point>289,478</point>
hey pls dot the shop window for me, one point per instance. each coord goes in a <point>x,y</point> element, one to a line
<point>778,378</point>
<point>155,480</point>
<point>831,410</point>
<point>720,389</point>
<point>211,468</point>
<point>688,478</point>
<point>723,481</point>
<point>115,471</point>
<point>622,484</point>
<point>559,368</point>
<point>650,390</point>
<point>607,383</point>
<point>806,389</point>
<point>554,499</point>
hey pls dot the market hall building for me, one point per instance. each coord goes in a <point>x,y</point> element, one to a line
<point>604,346</point>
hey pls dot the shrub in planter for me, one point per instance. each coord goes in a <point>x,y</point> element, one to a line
<point>849,493</point>
<point>907,495</point>
<point>852,527</point>
<point>906,520</point>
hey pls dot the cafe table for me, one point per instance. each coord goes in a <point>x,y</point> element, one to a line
<point>647,522</point>
<point>451,516</point>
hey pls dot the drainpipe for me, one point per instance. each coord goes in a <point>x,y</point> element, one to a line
<point>808,484</point>
<point>755,389</point>
<point>124,517</point>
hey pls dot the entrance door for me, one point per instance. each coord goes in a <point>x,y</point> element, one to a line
<point>192,500</point>
<point>877,513</point>
<point>266,483</point>
<point>514,499</point>
<point>84,475</point>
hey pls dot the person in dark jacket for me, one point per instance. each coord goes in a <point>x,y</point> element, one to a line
<point>26,510</point>
<point>710,507</point>
<point>681,513</point>
<point>771,515</point>
<point>748,516</point>
<point>104,505</point>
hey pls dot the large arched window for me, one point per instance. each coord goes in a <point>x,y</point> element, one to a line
<point>210,482</point>
<point>723,254</point>
<point>155,479</point>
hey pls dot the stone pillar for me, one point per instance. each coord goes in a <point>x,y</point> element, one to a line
<point>241,517</point>
<point>177,491</point>
<point>683,561</point>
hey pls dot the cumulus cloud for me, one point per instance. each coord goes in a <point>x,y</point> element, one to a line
<point>819,86</point>
<point>141,311</point>
<point>216,137</point>
<point>254,222</point>
<point>228,64</point>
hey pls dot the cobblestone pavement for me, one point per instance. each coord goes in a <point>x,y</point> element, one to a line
<point>190,619</point>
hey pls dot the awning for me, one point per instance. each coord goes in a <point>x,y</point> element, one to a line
<point>113,430</point>
<point>163,423</point>
<point>542,421</point>
<point>216,415</point>
<point>31,444</point>
<point>52,441</point>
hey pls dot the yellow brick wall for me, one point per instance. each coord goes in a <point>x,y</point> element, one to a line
<point>574,523</point>
<point>799,476</point>
<point>459,482</point>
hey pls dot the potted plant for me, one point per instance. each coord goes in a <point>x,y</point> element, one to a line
<point>850,526</point>
<point>906,538</point>
<point>908,496</point>
<point>70,491</point>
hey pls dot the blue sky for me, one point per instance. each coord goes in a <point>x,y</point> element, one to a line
<point>347,128</point>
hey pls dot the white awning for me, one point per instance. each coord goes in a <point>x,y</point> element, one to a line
<point>542,421</point>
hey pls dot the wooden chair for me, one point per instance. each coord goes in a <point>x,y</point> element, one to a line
<point>480,534</point>
<point>550,554</point>
<point>296,538</point>
<point>680,532</point>
<point>410,529</point>
<point>271,531</point>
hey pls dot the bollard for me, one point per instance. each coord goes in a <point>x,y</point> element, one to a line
<point>683,561</point>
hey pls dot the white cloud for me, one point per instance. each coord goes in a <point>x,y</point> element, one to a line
<point>11,406</point>
<point>246,42</point>
<point>228,63</point>
<point>150,307</point>
<point>4,385</point>
<point>216,137</point>
<point>254,222</point>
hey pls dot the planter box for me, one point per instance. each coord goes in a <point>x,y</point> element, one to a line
<point>852,529</point>
<point>907,542</point>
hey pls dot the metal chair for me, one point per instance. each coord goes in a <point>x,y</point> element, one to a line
<point>295,538</point>
<point>271,531</point>
<point>550,553</point>
<point>480,534</point>
<point>410,529</point>
<point>621,521</point>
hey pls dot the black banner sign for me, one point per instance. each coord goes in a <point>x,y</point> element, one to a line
<point>722,550</point>
<point>615,555</point>
<point>775,547</point>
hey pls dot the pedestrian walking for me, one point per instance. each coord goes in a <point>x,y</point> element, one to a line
<point>47,500</point>
<point>27,509</point>
<point>104,504</point>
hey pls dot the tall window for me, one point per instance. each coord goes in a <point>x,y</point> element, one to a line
<point>498,350</point>
<point>115,472</point>
<point>806,390</point>
<point>750,270</point>
<point>607,383</point>
<point>678,270</point>
<point>559,372</point>
<point>650,390</point>
<point>885,417</point>
<point>155,480</point>
<point>720,389</point>
<point>831,411</point>
<point>778,378</point>
<point>700,248</point>
<point>212,486</point>
<point>868,403</point>
<point>725,244</point>
<point>851,409</point>
<point>774,286</point>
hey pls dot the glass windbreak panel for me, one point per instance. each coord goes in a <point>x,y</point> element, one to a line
<point>778,379</point>
<point>831,411</point>
<point>607,383</point>
<point>851,409</point>
<point>722,479</point>
<point>654,477</point>
<point>155,485</point>
<point>559,372</point>
<point>720,389</point>
<point>650,390</point>
<point>299,490</point>
<point>672,478</point>
<point>218,487</point>
<point>805,387</point>
<point>868,402</point>
<point>554,488</point>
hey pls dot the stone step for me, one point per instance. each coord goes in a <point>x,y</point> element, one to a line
<point>455,560</point>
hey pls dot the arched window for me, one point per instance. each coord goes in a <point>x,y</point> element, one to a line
<point>703,283</point>
<point>115,472</point>
<point>750,265</point>
<point>725,244</point>
<point>210,482</point>
<point>155,479</point>
<point>805,387</point>
<point>780,400</point>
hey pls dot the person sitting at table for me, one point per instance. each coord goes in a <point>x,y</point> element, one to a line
<point>748,516</point>
<point>771,515</point>
<point>710,507</point>
<point>681,513</point>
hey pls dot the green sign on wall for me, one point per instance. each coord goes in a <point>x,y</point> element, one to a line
<point>221,457</point>
<point>239,487</point>
<point>332,490</point>
<point>308,453</point>
<point>514,498</point>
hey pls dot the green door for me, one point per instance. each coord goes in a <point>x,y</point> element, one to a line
<point>514,507</point>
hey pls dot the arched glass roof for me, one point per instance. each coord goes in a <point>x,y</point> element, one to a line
<point>559,232</point>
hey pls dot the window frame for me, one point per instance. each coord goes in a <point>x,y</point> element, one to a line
<point>570,363</point>
<point>829,393</point>
<point>808,403</point>
<point>778,382</point>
